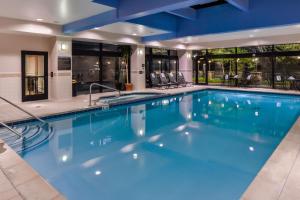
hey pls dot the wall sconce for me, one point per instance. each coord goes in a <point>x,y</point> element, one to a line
<point>63,46</point>
<point>140,52</point>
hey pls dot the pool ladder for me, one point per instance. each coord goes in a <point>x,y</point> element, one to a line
<point>17,133</point>
<point>103,86</point>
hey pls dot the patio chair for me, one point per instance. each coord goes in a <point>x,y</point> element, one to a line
<point>278,80</point>
<point>247,81</point>
<point>292,81</point>
<point>226,79</point>
<point>236,79</point>
<point>182,81</point>
<point>155,82</point>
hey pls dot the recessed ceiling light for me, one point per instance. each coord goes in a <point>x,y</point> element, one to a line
<point>39,19</point>
<point>134,34</point>
<point>96,28</point>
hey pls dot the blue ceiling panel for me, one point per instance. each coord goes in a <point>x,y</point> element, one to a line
<point>176,16</point>
<point>163,21</point>
<point>240,4</point>
<point>226,18</point>
<point>187,13</point>
<point>110,3</point>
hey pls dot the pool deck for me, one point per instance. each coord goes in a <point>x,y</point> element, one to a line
<point>278,179</point>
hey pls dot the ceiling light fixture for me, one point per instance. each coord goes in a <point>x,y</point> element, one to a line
<point>134,34</point>
<point>39,19</point>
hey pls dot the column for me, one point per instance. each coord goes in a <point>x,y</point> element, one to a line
<point>186,64</point>
<point>137,72</point>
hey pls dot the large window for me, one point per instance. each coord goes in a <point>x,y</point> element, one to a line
<point>266,66</point>
<point>219,69</point>
<point>255,71</point>
<point>287,70</point>
<point>100,63</point>
<point>160,60</point>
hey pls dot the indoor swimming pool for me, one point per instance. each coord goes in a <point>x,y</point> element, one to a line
<point>202,145</point>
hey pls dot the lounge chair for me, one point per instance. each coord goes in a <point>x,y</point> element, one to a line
<point>172,79</point>
<point>164,80</point>
<point>155,82</point>
<point>181,80</point>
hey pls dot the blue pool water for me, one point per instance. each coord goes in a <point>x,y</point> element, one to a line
<point>203,145</point>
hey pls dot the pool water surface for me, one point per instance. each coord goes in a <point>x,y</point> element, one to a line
<point>203,145</point>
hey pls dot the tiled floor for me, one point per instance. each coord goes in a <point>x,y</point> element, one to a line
<point>280,176</point>
<point>278,179</point>
<point>19,181</point>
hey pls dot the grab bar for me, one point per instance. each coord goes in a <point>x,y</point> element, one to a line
<point>104,86</point>
<point>11,130</point>
<point>25,111</point>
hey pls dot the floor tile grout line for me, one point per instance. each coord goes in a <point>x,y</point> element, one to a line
<point>14,187</point>
<point>289,173</point>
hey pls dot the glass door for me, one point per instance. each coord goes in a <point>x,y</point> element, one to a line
<point>173,66</point>
<point>34,75</point>
<point>157,66</point>
<point>86,70</point>
<point>113,72</point>
<point>201,69</point>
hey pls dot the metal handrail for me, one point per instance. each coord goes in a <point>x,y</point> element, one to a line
<point>12,130</point>
<point>25,111</point>
<point>104,86</point>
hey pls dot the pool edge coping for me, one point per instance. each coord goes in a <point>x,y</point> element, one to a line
<point>160,95</point>
<point>251,193</point>
<point>270,181</point>
<point>20,180</point>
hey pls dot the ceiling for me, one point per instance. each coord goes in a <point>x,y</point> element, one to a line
<point>208,4</point>
<point>130,29</point>
<point>51,11</point>
<point>248,34</point>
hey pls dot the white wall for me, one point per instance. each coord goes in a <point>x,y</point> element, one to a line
<point>10,61</point>
<point>62,80</point>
